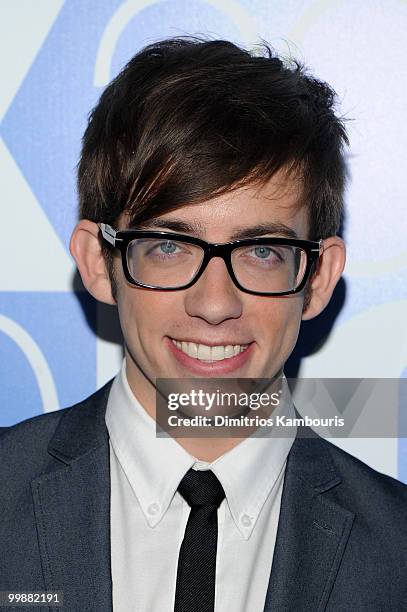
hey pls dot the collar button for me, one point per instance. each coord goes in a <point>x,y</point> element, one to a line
<point>246,520</point>
<point>153,509</point>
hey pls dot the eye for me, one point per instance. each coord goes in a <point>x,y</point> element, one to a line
<point>262,251</point>
<point>266,253</point>
<point>261,256</point>
<point>163,247</point>
<point>168,247</point>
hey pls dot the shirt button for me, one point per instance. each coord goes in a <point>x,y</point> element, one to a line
<point>246,520</point>
<point>153,509</point>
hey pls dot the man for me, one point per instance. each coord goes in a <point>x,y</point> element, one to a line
<point>194,146</point>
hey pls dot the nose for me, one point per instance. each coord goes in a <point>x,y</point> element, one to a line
<point>214,297</point>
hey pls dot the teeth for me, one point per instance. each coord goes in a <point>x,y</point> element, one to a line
<point>204,352</point>
<point>218,353</point>
<point>229,352</point>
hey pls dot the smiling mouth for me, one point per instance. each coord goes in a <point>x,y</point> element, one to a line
<point>209,354</point>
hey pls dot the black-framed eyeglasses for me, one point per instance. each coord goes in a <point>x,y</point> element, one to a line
<point>168,261</point>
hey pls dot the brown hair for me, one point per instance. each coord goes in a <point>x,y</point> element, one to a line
<point>188,119</point>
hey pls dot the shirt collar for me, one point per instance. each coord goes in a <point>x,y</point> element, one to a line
<point>249,471</point>
<point>154,466</point>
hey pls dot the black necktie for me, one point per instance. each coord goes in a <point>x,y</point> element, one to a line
<point>195,591</point>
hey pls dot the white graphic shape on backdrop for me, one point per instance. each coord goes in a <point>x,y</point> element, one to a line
<point>367,347</point>
<point>312,12</point>
<point>38,260</point>
<point>36,360</point>
<point>381,267</point>
<point>363,64</point>
<point>23,29</point>
<point>246,23</point>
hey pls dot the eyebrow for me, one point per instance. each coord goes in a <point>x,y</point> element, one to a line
<point>260,229</point>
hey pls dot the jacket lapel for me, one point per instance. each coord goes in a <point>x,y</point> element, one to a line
<point>72,508</point>
<point>312,532</point>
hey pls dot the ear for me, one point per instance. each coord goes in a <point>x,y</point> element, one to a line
<point>86,250</point>
<point>326,276</point>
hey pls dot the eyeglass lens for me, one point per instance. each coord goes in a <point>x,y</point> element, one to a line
<point>169,264</point>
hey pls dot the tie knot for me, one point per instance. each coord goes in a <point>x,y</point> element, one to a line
<point>201,488</point>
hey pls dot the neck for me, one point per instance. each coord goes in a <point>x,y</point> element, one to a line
<point>202,448</point>
<point>208,449</point>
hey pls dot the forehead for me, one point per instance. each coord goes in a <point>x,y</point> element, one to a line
<point>275,207</point>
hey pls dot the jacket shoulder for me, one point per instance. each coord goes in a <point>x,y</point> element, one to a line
<point>23,446</point>
<point>29,437</point>
<point>372,488</point>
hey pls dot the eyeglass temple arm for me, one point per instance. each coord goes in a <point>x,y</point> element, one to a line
<point>108,233</point>
<point>320,248</point>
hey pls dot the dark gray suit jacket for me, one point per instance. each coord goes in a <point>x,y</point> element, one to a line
<point>341,542</point>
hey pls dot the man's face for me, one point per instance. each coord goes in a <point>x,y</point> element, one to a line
<point>214,311</point>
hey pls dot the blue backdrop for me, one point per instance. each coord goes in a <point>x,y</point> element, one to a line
<point>56,58</point>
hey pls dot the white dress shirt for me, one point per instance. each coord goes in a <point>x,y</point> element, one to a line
<point>148,515</point>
